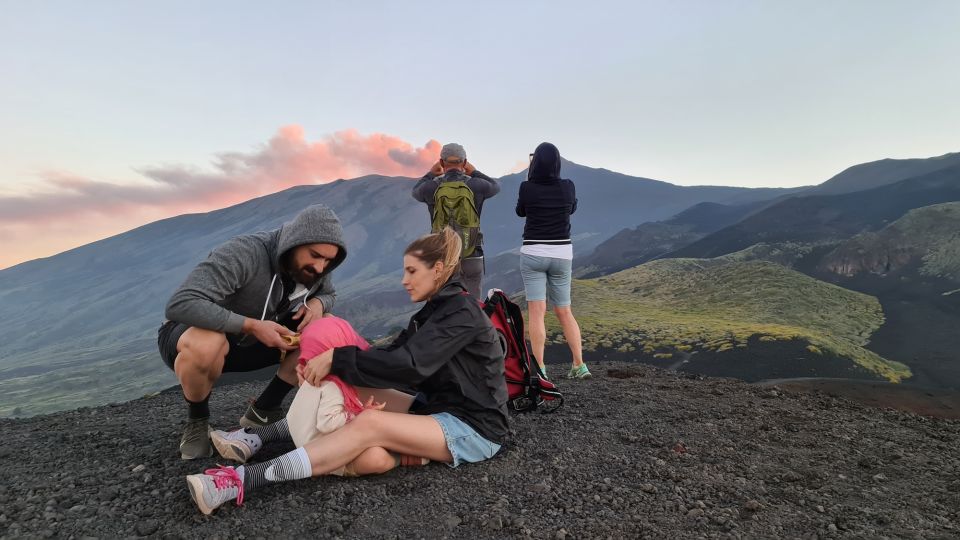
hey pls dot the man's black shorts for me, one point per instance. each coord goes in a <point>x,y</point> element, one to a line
<point>239,358</point>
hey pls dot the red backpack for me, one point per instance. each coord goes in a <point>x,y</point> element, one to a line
<point>527,387</point>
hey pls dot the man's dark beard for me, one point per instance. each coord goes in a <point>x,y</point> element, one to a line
<point>307,276</point>
<point>302,275</point>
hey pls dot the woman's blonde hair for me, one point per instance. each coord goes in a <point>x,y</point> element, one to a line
<point>444,246</point>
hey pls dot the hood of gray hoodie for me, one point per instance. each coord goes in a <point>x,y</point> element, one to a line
<point>316,224</point>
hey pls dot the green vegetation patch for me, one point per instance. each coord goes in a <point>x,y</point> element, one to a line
<point>677,305</point>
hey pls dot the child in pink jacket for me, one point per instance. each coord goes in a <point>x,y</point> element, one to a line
<point>318,410</point>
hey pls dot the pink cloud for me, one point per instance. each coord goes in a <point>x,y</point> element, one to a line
<point>94,209</point>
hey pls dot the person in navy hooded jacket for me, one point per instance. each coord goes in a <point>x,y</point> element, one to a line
<point>547,201</point>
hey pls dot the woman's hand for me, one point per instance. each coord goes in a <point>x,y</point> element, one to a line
<point>312,309</point>
<point>316,368</point>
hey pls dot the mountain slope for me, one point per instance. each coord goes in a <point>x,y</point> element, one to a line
<point>928,238</point>
<point>648,241</point>
<point>880,173</point>
<point>608,202</point>
<point>818,218</point>
<point>80,327</point>
<point>707,315</point>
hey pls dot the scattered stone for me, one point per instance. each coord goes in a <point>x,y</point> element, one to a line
<point>148,527</point>
<point>589,470</point>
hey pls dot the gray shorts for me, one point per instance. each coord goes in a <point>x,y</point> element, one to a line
<point>546,278</point>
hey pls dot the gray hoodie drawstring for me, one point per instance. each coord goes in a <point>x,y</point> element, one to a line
<point>269,292</point>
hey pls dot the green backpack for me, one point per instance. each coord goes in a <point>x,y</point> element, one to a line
<point>453,205</point>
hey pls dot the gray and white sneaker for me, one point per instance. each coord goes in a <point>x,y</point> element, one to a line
<point>215,487</point>
<point>195,442</point>
<point>236,445</point>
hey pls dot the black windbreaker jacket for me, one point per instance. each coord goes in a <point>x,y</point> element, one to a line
<point>450,352</point>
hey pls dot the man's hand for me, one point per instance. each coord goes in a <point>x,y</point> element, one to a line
<point>313,309</point>
<point>268,333</point>
<point>316,368</point>
<point>437,169</point>
<point>468,168</point>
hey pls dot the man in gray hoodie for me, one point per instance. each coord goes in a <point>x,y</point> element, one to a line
<point>234,309</point>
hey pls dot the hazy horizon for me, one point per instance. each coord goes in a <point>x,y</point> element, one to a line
<point>119,114</point>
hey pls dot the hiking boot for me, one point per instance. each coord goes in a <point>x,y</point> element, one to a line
<point>579,372</point>
<point>235,445</point>
<point>195,442</point>
<point>256,417</point>
<point>215,487</point>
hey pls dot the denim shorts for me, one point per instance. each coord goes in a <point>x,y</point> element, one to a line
<point>546,278</point>
<point>465,444</point>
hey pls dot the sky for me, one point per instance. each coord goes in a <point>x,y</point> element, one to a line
<point>114,114</point>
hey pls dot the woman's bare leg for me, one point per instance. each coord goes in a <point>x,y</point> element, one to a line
<point>571,331</point>
<point>537,310</point>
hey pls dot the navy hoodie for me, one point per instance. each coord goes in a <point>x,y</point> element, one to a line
<point>546,200</point>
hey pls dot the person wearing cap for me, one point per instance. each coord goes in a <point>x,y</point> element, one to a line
<point>453,166</point>
<point>234,309</point>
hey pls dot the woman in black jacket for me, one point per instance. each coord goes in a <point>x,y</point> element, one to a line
<point>547,201</point>
<point>450,352</point>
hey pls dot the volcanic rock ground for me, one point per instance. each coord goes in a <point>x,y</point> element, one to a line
<point>636,452</point>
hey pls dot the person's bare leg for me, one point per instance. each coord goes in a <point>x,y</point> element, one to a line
<point>371,461</point>
<point>199,362</point>
<point>397,432</point>
<point>537,310</point>
<point>571,331</point>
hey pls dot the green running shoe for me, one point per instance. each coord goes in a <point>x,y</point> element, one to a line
<point>579,372</point>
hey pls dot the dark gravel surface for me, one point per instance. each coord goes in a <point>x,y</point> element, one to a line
<point>637,452</point>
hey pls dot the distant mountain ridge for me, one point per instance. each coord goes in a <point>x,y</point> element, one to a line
<point>80,327</point>
<point>879,173</point>
<point>829,217</point>
<point>652,240</point>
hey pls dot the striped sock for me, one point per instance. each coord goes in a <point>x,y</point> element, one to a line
<point>277,431</point>
<point>293,465</point>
